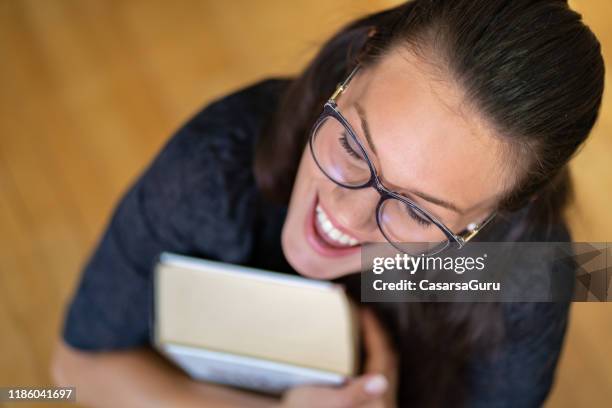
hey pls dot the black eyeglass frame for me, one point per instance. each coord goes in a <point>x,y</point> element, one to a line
<point>330,109</point>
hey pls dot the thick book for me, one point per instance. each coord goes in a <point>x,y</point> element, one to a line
<point>251,328</point>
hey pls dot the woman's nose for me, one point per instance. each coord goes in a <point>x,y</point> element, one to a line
<point>356,209</point>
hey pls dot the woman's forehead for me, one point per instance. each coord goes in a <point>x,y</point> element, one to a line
<point>426,137</point>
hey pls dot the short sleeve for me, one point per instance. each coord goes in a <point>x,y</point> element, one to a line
<point>521,372</point>
<point>195,198</point>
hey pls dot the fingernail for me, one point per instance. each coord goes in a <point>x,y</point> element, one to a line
<point>376,385</point>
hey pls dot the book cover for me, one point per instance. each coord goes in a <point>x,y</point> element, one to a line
<point>251,328</point>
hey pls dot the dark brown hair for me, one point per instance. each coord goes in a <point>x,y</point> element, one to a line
<point>535,72</point>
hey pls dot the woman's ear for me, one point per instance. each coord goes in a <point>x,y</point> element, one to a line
<point>367,44</point>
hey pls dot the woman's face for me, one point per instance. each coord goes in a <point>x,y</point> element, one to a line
<point>425,142</point>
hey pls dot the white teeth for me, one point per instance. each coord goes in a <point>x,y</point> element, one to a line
<point>332,232</point>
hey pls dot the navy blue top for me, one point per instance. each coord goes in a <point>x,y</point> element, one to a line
<point>198,197</point>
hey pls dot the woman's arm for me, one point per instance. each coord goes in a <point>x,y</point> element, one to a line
<point>139,378</point>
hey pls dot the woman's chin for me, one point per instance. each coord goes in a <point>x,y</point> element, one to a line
<point>310,264</point>
<point>320,273</point>
<point>309,269</point>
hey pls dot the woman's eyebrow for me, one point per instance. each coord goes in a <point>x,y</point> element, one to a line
<point>365,126</point>
<point>437,201</point>
<point>366,130</point>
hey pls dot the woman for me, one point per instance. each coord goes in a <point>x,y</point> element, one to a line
<point>469,110</point>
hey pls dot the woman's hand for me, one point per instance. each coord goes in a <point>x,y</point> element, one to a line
<point>376,388</point>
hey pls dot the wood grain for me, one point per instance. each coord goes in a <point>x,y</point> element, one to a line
<point>91,89</point>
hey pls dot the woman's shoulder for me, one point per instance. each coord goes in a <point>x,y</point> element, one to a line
<point>222,133</point>
<point>228,121</point>
<point>246,106</point>
<point>199,189</point>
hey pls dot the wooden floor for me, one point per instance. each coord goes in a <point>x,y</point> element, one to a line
<point>89,91</point>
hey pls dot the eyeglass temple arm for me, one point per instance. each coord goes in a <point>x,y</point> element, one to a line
<point>343,85</point>
<point>471,233</point>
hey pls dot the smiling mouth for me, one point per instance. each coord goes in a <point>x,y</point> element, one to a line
<point>329,232</point>
<point>325,237</point>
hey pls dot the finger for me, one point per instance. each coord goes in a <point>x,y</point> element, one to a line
<point>381,356</point>
<point>358,391</point>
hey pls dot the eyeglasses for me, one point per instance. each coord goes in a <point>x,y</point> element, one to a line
<point>341,156</point>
